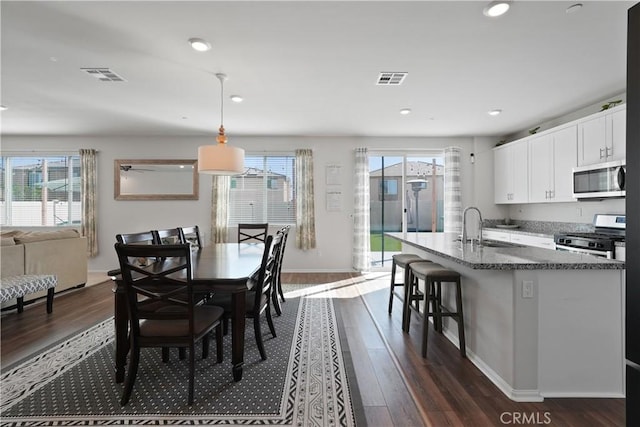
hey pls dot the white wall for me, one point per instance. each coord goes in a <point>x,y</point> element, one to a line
<point>333,229</point>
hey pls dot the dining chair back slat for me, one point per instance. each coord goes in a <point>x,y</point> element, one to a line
<point>252,232</point>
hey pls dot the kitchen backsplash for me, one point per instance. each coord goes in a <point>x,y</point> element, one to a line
<point>542,227</point>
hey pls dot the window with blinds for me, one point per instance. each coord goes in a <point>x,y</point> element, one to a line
<point>265,192</point>
<point>40,190</point>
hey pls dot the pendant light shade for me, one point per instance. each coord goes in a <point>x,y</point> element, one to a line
<point>220,159</point>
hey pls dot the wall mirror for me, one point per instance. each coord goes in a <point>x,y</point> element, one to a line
<point>155,179</point>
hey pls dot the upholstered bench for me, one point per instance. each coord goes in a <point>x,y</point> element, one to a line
<point>19,286</point>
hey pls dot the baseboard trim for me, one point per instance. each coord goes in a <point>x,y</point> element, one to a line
<point>497,380</point>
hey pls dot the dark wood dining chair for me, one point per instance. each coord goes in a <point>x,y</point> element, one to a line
<point>168,236</point>
<point>191,235</point>
<point>258,298</point>
<point>162,308</point>
<point>248,233</point>
<point>277,282</point>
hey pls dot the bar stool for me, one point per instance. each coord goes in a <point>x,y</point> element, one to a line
<point>402,261</point>
<point>434,275</point>
<point>414,295</point>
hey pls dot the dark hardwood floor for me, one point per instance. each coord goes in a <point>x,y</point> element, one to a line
<point>396,385</point>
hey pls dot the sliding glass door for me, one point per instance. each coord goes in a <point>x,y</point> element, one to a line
<point>407,195</point>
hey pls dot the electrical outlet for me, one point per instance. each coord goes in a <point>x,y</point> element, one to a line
<point>527,289</point>
<point>579,211</point>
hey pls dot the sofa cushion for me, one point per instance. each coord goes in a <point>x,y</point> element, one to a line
<point>7,241</point>
<point>38,236</point>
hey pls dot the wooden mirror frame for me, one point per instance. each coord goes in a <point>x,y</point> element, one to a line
<point>118,165</point>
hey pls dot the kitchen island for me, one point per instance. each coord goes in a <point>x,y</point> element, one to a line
<point>538,322</point>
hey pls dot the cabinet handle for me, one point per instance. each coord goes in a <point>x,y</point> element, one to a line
<point>608,151</point>
<point>551,194</point>
<point>602,151</point>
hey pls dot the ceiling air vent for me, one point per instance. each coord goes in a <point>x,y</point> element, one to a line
<point>103,74</point>
<point>391,79</point>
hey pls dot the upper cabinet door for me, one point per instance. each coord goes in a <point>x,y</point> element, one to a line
<point>592,137</point>
<point>511,173</point>
<point>602,138</point>
<point>564,160</point>
<point>541,168</point>
<point>501,171</point>
<point>617,131</point>
<point>520,172</point>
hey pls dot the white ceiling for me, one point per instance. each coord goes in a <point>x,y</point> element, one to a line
<point>304,67</point>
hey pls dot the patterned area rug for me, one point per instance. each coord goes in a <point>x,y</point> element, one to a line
<point>303,382</point>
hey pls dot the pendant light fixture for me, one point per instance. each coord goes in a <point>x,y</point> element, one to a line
<point>220,159</point>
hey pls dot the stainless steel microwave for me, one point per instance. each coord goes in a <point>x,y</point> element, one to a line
<point>599,181</point>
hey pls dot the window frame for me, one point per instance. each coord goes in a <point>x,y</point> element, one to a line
<point>265,186</point>
<point>74,163</point>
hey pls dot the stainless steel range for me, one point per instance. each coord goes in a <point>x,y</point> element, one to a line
<point>609,229</point>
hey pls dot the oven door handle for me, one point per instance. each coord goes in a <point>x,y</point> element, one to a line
<point>604,254</point>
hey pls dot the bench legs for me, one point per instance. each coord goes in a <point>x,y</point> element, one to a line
<point>50,300</point>
<point>50,291</point>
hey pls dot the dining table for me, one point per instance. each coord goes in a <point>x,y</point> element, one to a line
<point>218,268</point>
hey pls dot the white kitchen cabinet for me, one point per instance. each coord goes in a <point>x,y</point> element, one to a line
<point>537,241</point>
<point>501,236</point>
<point>541,168</point>
<point>519,239</point>
<point>618,134</point>
<point>551,159</point>
<point>511,173</point>
<point>602,137</point>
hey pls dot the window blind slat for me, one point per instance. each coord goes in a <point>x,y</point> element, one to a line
<point>264,192</point>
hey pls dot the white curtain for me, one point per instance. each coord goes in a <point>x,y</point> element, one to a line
<point>89,195</point>
<point>220,190</point>
<point>305,210</point>
<point>361,256</point>
<point>452,195</point>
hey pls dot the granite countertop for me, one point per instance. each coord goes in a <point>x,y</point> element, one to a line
<point>504,258</point>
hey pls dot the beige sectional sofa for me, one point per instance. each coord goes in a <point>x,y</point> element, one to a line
<point>60,252</point>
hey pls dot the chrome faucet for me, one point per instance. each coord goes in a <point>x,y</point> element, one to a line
<point>464,225</point>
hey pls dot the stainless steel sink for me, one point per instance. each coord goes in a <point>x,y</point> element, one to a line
<point>496,244</point>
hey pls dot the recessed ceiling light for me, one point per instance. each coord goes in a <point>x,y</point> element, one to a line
<point>200,45</point>
<point>236,98</point>
<point>494,112</point>
<point>496,8</point>
<point>3,108</point>
<point>405,111</point>
<point>574,8</point>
